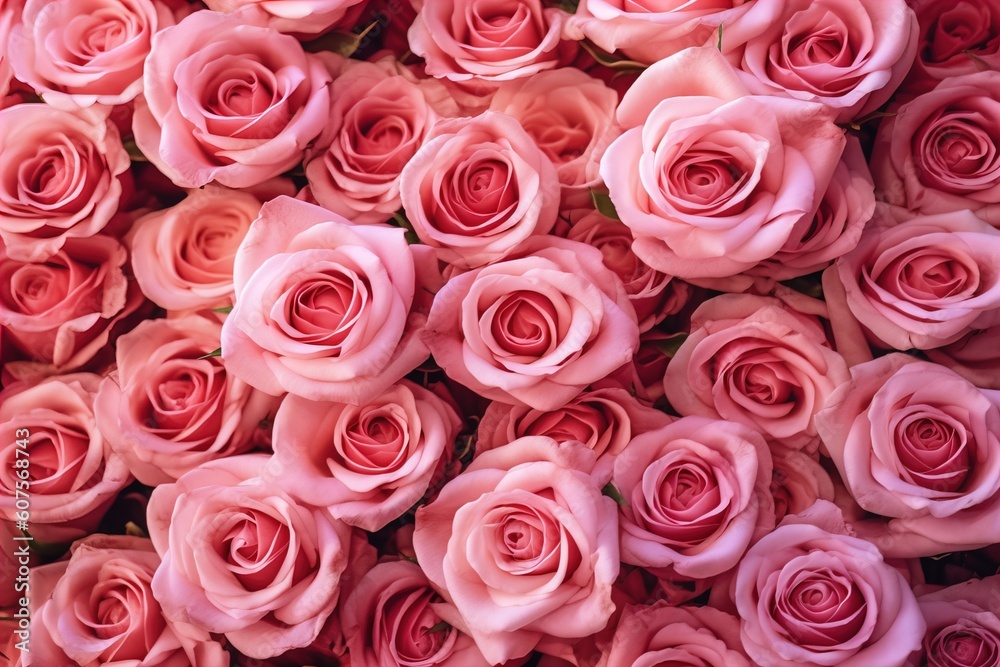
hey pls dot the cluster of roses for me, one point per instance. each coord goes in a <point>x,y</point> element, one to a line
<point>499,332</point>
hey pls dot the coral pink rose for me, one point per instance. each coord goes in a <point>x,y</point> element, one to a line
<point>955,38</point>
<point>54,454</point>
<point>710,179</point>
<point>810,594</point>
<point>241,558</point>
<point>302,17</point>
<point>77,54</point>
<point>536,330</point>
<point>61,178</point>
<point>963,629</point>
<point>99,608</point>
<point>227,99</point>
<point>367,464</point>
<point>524,545</point>
<point>324,309</point>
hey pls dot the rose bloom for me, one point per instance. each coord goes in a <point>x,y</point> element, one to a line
<point>956,38</point>
<point>59,312</point>
<point>488,41</point>
<point>918,443</point>
<point>810,594</point>
<point>61,178</point>
<point>535,330</point>
<point>307,18</point>
<point>72,475</point>
<point>758,361</point>
<point>479,189</point>
<point>975,356</point>
<point>962,626</point>
<point>922,282</point>
<point>242,558</point>
<point>379,120</point>
<point>367,464</point>
<point>77,54</point>
<point>849,55</point>
<point>169,407</point>
<point>937,153</point>
<point>798,481</point>
<point>98,608</point>
<point>391,618</point>
<point>227,99</point>
<point>324,309</point>
<point>710,179</point>
<point>525,546</point>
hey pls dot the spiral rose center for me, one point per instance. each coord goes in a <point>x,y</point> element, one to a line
<point>98,33</point>
<point>822,609</point>
<point>255,548</point>
<point>34,288</point>
<point>492,24</point>
<point>376,441</point>
<point>964,26</point>
<point>933,450</point>
<point>405,625</point>
<point>958,646</point>
<point>324,308</point>
<point>58,459</point>
<point>525,324</point>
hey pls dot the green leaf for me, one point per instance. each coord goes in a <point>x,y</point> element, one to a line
<point>669,346</point>
<point>342,43</point>
<point>401,221</point>
<point>604,58</point>
<point>214,353</point>
<point>612,492</point>
<point>133,529</point>
<point>719,41</point>
<point>437,627</point>
<point>223,309</point>
<point>604,205</point>
<point>133,151</point>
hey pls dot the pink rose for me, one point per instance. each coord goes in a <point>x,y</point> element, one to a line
<point>710,179</point>
<point>524,545</point>
<point>302,17</point>
<point>937,152</point>
<point>241,558</point>
<point>379,120</point>
<point>391,618</point>
<point>812,595</point>
<point>962,625</point>
<point>849,55</point>
<point>917,443</point>
<point>169,407</point>
<point>61,178</point>
<point>227,99</point>
<point>324,309</point>
<point>77,54</point>
<point>799,480</point>
<point>955,38</point>
<point>99,608</point>
<point>758,361</point>
<point>535,330</point>
<point>53,454</point>
<point>479,189</point>
<point>367,464</point>
<point>486,40</point>
<point>697,494</point>
<point>975,356</point>
<point>924,282</point>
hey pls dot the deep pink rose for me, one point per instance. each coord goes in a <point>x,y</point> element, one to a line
<point>956,38</point>
<point>61,177</point>
<point>77,54</point>
<point>324,309</point>
<point>367,464</point>
<point>479,189</point>
<point>963,629</point>
<point>975,356</point>
<point>242,558</point>
<point>798,481</point>
<point>710,179</point>
<point>302,17</point>
<point>810,594</point>
<point>536,330</point>
<point>53,454</point>
<point>524,545</point>
<point>227,99</point>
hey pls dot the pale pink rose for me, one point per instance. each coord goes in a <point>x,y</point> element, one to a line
<point>367,464</point>
<point>955,38</point>
<point>963,629</point>
<point>242,558</point>
<point>479,189</point>
<point>975,356</point>
<point>302,17</point>
<point>651,30</point>
<point>922,282</point>
<point>758,361</point>
<point>697,493</point>
<point>182,256</point>
<point>798,481</point>
<point>59,312</point>
<point>661,634</point>
<point>61,178</point>
<point>605,420</point>
<point>9,14</point>
<point>391,618</point>
<point>324,309</point>
<point>937,153</point>
<point>570,115</point>
<point>53,454</point>
<point>379,120</point>
<point>917,443</point>
<point>710,179</point>
<point>848,55</point>
<point>169,407</point>
<point>227,99</point>
<point>810,594</point>
<point>486,40</point>
<point>101,611</point>
<point>77,54</point>
<point>535,330</point>
<point>524,545</point>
